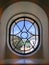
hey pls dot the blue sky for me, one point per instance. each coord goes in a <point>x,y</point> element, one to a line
<point>19,26</point>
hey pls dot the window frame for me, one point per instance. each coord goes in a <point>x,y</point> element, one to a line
<point>17,16</point>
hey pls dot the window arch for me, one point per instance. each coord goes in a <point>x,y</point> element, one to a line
<point>24,34</point>
<point>39,16</point>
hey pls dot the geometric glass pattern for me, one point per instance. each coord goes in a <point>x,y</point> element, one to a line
<point>24,35</point>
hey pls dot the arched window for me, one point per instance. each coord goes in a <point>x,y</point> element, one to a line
<point>24,35</point>
<point>14,18</point>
